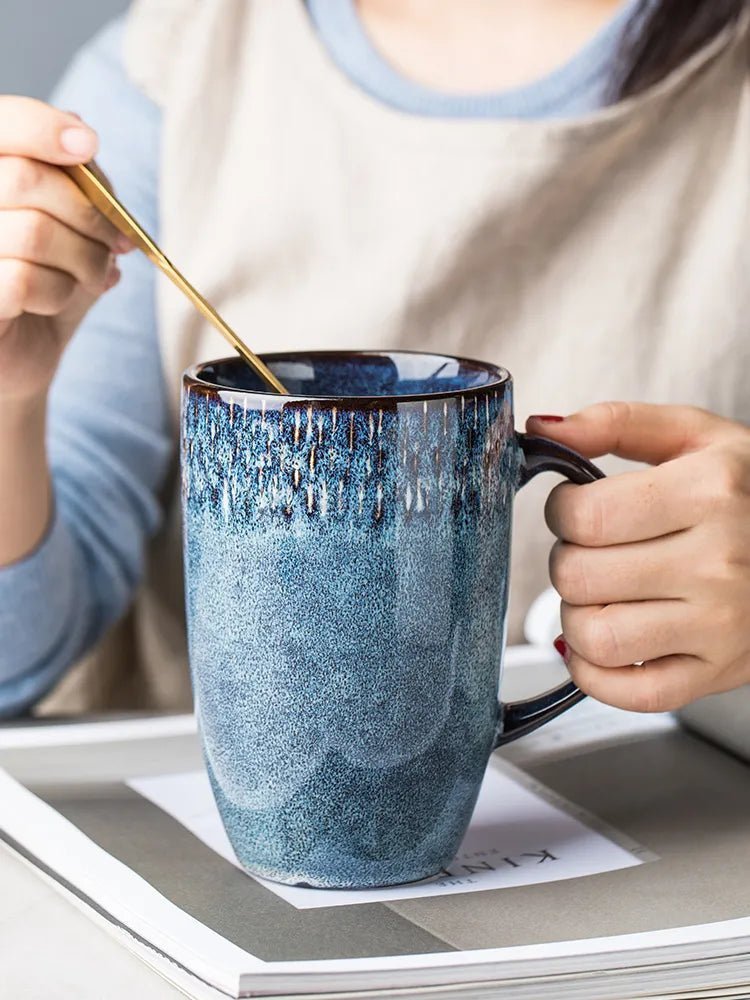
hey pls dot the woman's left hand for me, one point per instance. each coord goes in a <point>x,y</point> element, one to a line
<point>653,566</point>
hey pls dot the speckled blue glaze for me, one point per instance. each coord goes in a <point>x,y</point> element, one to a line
<point>347,569</point>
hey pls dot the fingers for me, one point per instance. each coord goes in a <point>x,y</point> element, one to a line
<point>662,685</point>
<point>32,129</point>
<point>709,486</point>
<point>40,239</point>
<point>652,566</point>
<point>640,571</point>
<point>29,184</point>
<point>616,635</point>
<point>31,288</point>
<point>638,431</point>
<point>631,507</point>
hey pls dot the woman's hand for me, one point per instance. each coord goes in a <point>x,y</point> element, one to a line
<point>57,252</point>
<point>653,566</point>
<point>57,256</point>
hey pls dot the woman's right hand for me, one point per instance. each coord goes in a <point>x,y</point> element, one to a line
<point>57,252</point>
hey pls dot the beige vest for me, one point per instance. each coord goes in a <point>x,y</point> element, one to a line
<point>601,257</point>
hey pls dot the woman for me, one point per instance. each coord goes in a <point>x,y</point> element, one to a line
<point>561,188</point>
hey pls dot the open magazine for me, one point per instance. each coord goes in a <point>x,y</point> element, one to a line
<point>609,856</point>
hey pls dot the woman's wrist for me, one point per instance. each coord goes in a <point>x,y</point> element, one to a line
<point>23,414</point>
<point>25,483</point>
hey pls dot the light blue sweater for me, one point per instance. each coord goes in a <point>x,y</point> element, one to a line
<point>108,433</point>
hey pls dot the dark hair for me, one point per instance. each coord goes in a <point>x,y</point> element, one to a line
<point>662,34</point>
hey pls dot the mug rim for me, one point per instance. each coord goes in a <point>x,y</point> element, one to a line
<point>193,379</point>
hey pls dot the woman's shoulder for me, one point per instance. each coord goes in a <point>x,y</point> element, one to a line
<point>104,49</point>
<point>98,87</point>
<point>97,83</point>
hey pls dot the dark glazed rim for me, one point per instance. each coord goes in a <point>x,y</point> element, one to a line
<point>192,378</point>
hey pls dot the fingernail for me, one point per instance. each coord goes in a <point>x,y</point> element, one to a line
<point>123,244</point>
<point>113,276</point>
<point>78,141</point>
<point>547,418</point>
<point>562,648</point>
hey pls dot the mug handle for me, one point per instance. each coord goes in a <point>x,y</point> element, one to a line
<point>517,718</point>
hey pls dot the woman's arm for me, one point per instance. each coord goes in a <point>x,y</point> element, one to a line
<point>103,427</point>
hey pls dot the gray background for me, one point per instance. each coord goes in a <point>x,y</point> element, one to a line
<point>39,37</point>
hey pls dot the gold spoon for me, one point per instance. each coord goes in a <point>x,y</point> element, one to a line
<point>93,184</point>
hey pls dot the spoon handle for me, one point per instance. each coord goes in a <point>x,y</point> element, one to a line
<point>92,183</point>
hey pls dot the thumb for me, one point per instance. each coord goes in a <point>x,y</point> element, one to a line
<point>641,432</point>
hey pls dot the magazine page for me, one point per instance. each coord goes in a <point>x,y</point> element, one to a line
<point>145,871</point>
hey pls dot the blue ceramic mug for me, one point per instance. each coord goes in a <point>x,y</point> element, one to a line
<point>347,550</point>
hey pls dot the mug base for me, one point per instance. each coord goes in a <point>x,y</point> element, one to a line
<point>339,885</point>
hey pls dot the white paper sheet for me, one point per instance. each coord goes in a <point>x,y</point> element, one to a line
<point>516,838</point>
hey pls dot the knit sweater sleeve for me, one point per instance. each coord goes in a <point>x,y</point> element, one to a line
<point>108,435</point>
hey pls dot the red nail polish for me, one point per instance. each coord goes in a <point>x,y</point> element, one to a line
<point>562,648</point>
<point>547,418</point>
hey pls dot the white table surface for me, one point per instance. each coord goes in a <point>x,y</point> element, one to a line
<point>51,951</point>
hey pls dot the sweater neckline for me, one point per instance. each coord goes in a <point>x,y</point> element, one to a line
<point>309,61</point>
<point>339,26</point>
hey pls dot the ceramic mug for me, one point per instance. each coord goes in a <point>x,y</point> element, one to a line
<point>347,552</point>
